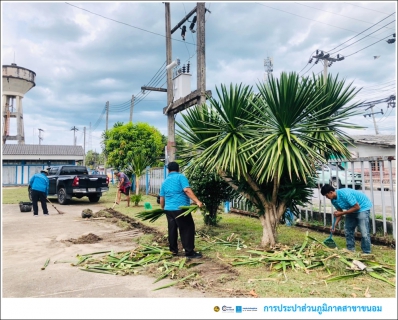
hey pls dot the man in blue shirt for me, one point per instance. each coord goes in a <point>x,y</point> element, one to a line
<point>355,206</point>
<point>175,192</point>
<point>39,185</point>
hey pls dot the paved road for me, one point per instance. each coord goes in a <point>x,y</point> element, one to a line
<point>28,241</point>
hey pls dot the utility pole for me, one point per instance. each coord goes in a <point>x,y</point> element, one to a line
<point>201,52</point>
<point>84,146</point>
<point>327,61</point>
<point>196,97</point>
<point>107,115</point>
<point>106,129</point>
<point>74,134</point>
<point>373,116</point>
<point>90,139</point>
<point>170,115</point>
<point>131,108</point>
<point>40,138</point>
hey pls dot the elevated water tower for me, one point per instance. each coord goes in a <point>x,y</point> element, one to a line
<point>16,82</point>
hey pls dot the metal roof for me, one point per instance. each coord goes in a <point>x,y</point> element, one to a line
<point>380,140</point>
<point>42,150</point>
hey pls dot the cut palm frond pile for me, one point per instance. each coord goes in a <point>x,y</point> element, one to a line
<point>134,261</point>
<point>231,241</point>
<point>315,254</point>
<point>151,215</point>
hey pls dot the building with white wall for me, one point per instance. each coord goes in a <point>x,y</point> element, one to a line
<point>21,161</point>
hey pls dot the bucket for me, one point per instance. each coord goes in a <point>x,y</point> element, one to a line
<point>25,206</point>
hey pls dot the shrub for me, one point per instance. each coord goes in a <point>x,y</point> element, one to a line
<point>136,198</point>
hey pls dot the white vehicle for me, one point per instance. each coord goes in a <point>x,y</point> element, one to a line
<point>338,176</point>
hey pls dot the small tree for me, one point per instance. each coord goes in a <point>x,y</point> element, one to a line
<point>124,141</point>
<point>211,190</point>
<point>139,162</point>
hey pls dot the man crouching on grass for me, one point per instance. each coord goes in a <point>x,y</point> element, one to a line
<point>355,206</point>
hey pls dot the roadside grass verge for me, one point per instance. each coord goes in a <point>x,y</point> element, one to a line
<point>258,279</point>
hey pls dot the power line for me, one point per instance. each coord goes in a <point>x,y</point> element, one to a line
<point>361,32</point>
<point>376,85</point>
<point>336,14</point>
<point>126,106</point>
<point>364,8</point>
<point>158,34</point>
<point>359,39</point>
<point>307,62</point>
<point>369,45</point>
<point>386,88</point>
<point>305,17</point>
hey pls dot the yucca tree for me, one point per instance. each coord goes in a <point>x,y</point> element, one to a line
<point>138,165</point>
<point>336,103</point>
<point>263,144</point>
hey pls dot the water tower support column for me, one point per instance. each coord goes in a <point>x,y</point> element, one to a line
<point>20,124</point>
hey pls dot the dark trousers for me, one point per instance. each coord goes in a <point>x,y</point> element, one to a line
<point>39,196</point>
<point>186,226</point>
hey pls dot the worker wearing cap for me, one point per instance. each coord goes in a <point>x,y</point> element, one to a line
<point>175,192</point>
<point>39,185</point>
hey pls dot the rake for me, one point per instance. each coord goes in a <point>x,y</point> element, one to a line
<point>60,212</point>
<point>329,242</point>
<point>115,201</point>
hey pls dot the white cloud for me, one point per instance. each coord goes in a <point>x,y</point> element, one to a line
<point>83,60</point>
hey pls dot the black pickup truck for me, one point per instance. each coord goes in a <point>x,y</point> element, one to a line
<point>74,181</point>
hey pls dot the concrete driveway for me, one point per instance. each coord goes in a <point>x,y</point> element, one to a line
<point>27,242</point>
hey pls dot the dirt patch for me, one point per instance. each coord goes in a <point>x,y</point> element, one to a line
<point>211,274</point>
<point>89,238</point>
<point>116,215</point>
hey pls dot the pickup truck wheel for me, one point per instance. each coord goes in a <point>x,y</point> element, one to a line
<point>94,198</point>
<point>62,196</point>
<point>336,183</point>
<point>30,193</point>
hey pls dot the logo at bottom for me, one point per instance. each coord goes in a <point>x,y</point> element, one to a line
<point>216,308</point>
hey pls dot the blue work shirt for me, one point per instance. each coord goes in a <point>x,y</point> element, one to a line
<point>172,190</point>
<point>347,198</point>
<point>39,182</point>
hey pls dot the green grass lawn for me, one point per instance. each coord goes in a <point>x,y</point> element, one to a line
<point>293,283</point>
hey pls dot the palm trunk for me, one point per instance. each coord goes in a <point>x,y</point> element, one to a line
<point>269,238</point>
<point>137,185</point>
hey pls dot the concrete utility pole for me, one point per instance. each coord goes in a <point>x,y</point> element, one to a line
<point>107,115</point>
<point>327,61</point>
<point>40,138</point>
<point>201,52</point>
<point>131,108</point>
<point>90,139</point>
<point>106,129</point>
<point>170,116</point>
<point>74,134</point>
<point>199,95</point>
<point>373,116</point>
<point>84,146</point>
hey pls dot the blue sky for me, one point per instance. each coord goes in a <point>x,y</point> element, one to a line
<point>87,53</point>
